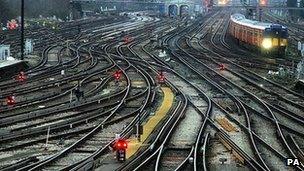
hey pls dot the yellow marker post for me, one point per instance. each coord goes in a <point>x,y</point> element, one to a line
<point>161,112</point>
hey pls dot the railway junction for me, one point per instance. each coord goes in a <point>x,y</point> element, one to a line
<point>159,85</point>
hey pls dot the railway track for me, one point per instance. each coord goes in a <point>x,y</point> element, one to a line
<point>212,83</point>
<point>239,93</point>
<point>182,145</point>
<point>260,82</point>
<point>186,160</point>
<point>262,141</point>
<point>259,139</point>
<point>213,109</point>
<point>85,118</point>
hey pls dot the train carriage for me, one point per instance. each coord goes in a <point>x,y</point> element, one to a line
<point>267,36</point>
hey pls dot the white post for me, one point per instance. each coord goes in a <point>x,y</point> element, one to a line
<point>302,49</point>
<point>68,48</point>
<point>71,96</point>
<point>47,137</point>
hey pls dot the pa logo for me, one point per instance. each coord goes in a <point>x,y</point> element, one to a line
<point>292,162</point>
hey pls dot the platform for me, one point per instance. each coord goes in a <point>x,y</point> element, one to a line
<point>150,125</point>
<point>5,63</point>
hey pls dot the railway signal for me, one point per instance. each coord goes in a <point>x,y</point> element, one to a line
<point>120,146</point>
<point>79,94</point>
<point>21,76</point>
<point>121,155</point>
<point>12,25</point>
<point>10,100</point>
<point>127,39</point>
<point>117,75</point>
<point>161,77</point>
<point>222,67</point>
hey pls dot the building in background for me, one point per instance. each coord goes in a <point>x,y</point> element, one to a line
<point>28,46</point>
<point>4,52</point>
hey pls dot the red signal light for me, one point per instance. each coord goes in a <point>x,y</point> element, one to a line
<point>21,77</point>
<point>10,100</point>
<point>117,75</point>
<point>161,77</point>
<point>121,144</point>
<point>263,2</point>
<point>12,25</point>
<point>127,39</point>
<point>222,67</point>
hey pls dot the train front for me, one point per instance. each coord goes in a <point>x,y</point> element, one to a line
<point>275,39</point>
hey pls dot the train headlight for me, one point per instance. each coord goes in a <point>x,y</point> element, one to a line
<point>283,42</point>
<point>266,43</point>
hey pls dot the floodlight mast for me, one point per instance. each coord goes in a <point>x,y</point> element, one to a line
<point>22,30</point>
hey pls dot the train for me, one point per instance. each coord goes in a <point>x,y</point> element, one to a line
<point>269,38</point>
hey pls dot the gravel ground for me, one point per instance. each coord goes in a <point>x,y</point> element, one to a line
<point>292,109</point>
<point>217,151</point>
<point>93,144</point>
<point>239,137</point>
<point>188,128</point>
<point>185,134</point>
<point>299,141</point>
<point>289,122</point>
<point>172,158</point>
<point>267,131</point>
